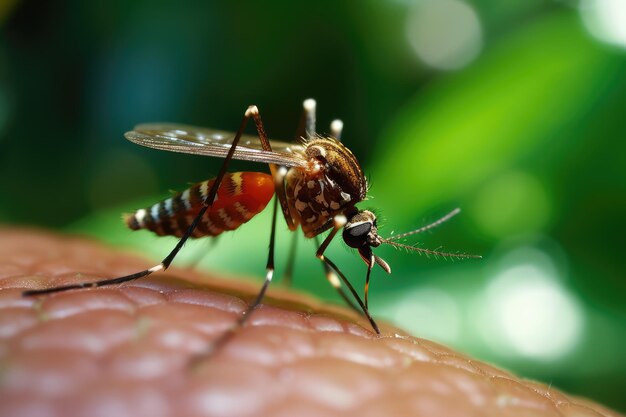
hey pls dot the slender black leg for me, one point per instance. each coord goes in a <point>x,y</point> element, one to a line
<point>367,280</point>
<point>278,174</point>
<point>241,321</point>
<point>333,279</point>
<point>339,223</point>
<point>252,111</point>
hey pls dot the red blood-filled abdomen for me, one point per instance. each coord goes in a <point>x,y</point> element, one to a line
<point>240,197</point>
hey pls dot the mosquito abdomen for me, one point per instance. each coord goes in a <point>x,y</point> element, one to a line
<point>240,197</point>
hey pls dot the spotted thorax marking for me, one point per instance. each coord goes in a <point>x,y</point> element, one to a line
<point>332,184</point>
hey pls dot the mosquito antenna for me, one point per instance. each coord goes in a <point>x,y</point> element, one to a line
<point>427,227</point>
<point>429,251</point>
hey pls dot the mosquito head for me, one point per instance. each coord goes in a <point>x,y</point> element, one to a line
<point>361,233</point>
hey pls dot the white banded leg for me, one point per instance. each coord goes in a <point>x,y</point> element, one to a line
<point>339,222</point>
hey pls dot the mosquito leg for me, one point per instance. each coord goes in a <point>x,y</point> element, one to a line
<point>333,279</point>
<point>340,221</point>
<point>336,127</point>
<point>278,173</point>
<point>367,280</point>
<point>310,106</point>
<point>364,309</point>
<point>252,111</point>
<point>245,316</point>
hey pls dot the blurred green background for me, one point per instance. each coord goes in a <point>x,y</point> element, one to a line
<point>513,111</point>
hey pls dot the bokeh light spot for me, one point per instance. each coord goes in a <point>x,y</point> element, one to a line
<point>605,20</point>
<point>445,34</point>
<point>429,312</point>
<point>526,311</point>
<point>512,203</point>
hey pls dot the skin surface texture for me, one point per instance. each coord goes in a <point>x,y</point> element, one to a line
<point>128,350</point>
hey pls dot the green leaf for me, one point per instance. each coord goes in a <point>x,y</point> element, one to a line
<point>516,102</point>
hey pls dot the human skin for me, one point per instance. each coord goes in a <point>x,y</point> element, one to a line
<point>129,350</point>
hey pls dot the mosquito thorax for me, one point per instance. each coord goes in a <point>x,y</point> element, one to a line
<point>331,183</point>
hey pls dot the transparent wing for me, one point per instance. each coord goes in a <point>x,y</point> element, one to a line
<point>211,142</point>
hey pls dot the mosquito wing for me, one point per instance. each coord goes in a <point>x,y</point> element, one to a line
<point>211,142</point>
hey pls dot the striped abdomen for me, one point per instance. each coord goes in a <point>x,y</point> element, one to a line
<point>240,197</point>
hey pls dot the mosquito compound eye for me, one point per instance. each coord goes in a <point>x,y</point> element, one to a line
<point>356,235</point>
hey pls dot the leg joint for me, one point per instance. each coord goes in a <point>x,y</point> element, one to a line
<point>252,111</point>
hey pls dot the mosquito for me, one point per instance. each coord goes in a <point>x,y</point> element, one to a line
<point>317,181</point>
